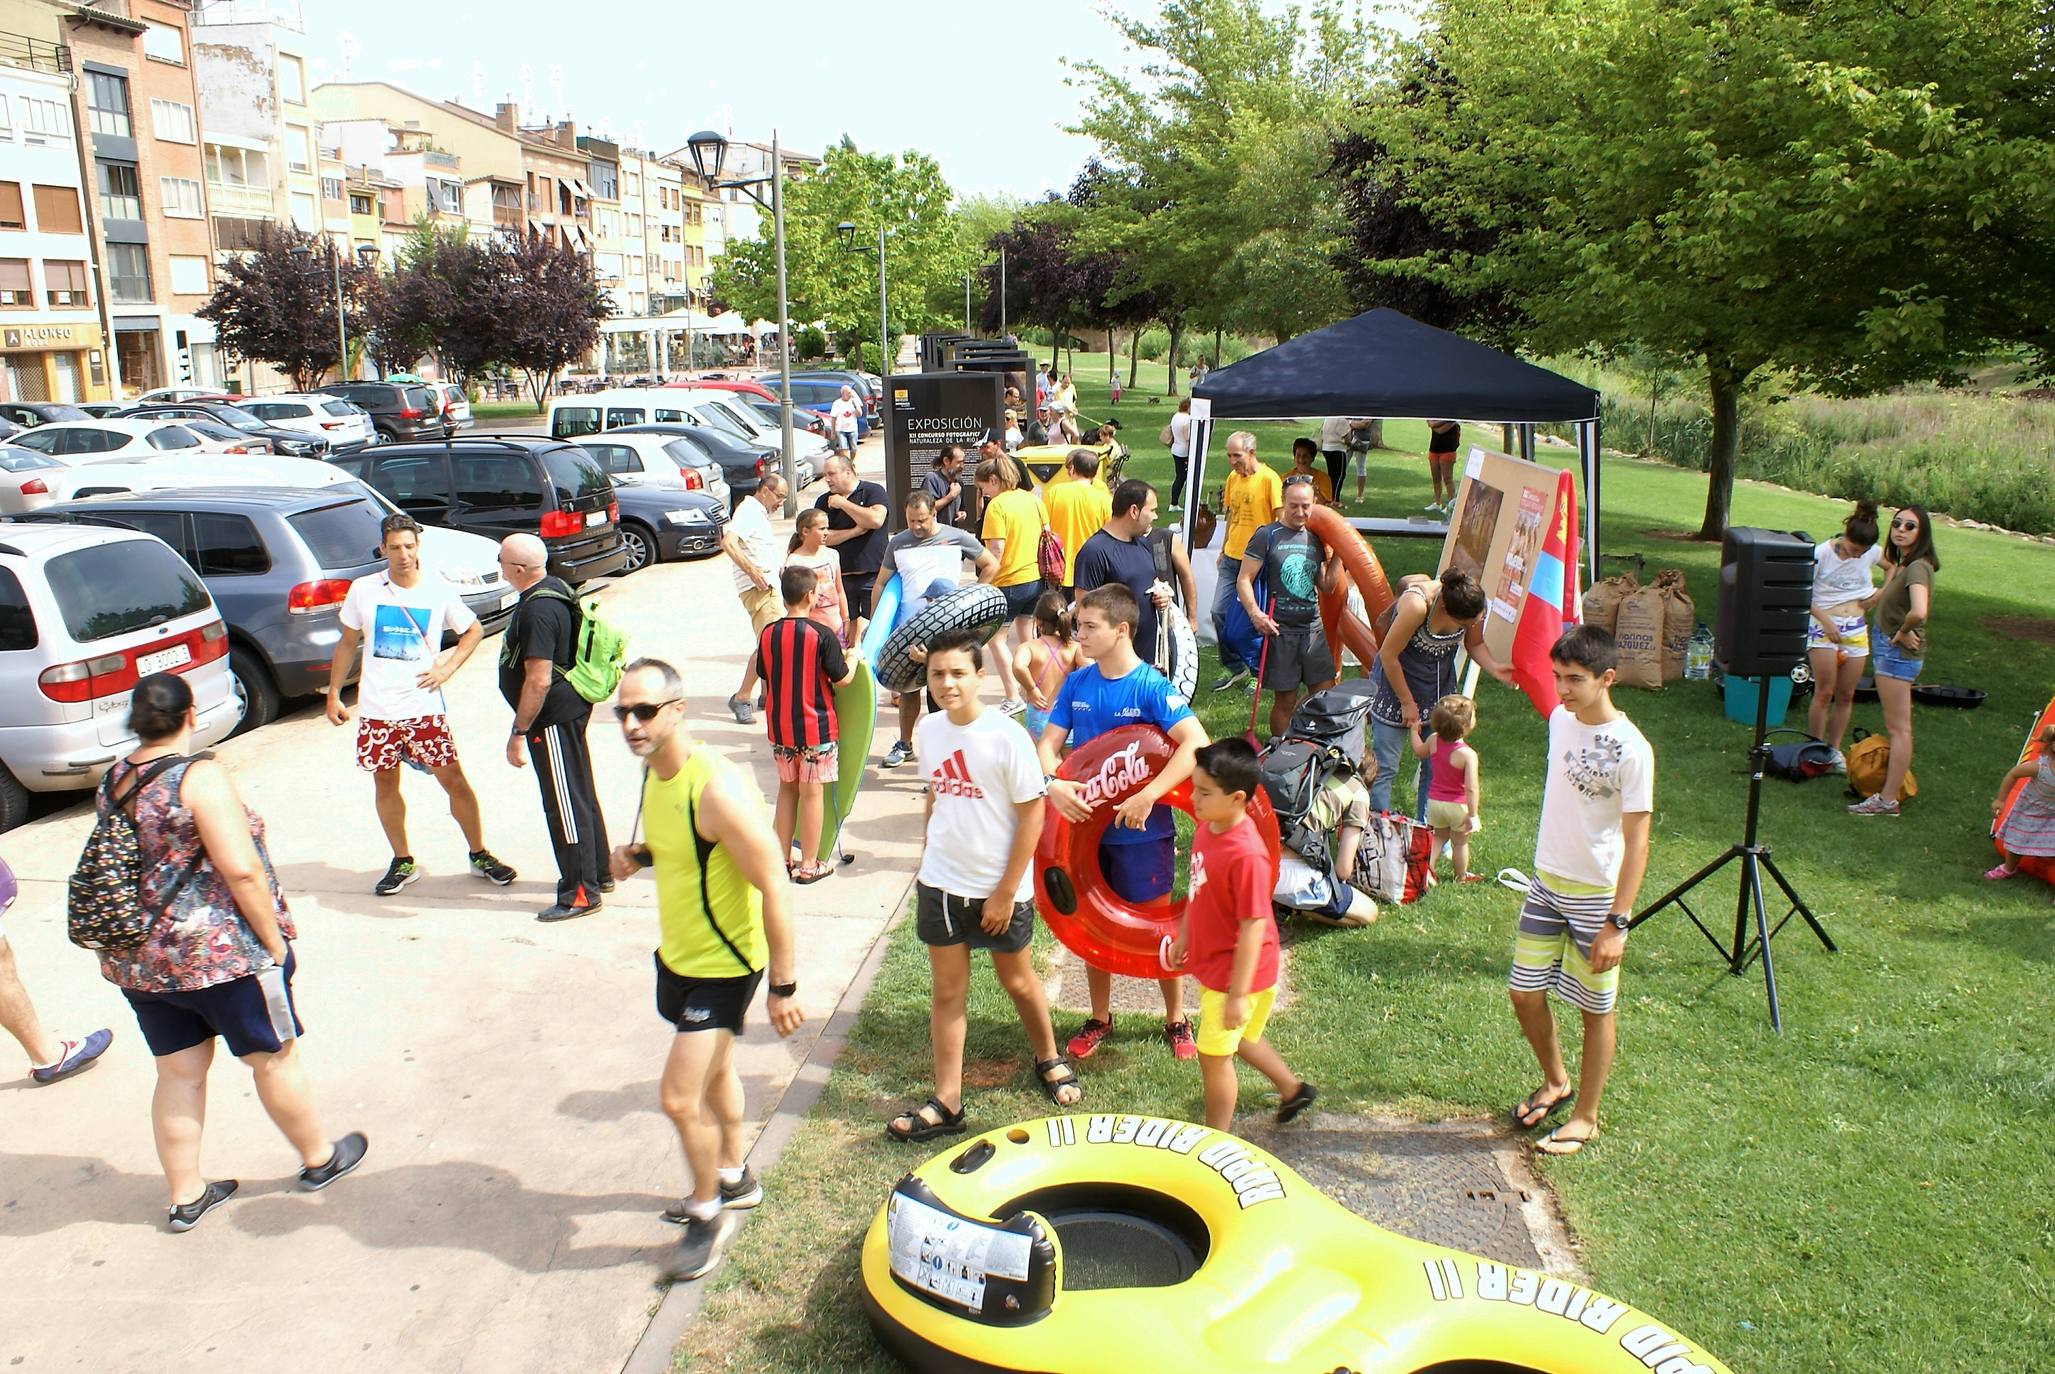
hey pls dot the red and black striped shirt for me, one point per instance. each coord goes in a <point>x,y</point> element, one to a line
<point>800,661</point>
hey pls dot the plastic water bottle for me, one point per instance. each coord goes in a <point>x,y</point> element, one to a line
<point>1698,655</point>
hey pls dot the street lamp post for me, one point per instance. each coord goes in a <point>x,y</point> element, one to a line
<point>848,233</point>
<point>367,253</point>
<point>966,302</point>
<point>709,150</point>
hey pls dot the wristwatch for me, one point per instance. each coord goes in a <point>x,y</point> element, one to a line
<point>784,989</point>
<point>1619,919</point>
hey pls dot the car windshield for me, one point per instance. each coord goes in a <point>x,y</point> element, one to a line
<point>344,535</point>
<point>684,454</point>
<point>25,460</point>
<point>52,414</point>
<point>121,586</point>
<point>277,410</point>
<point>575,473</point>
<point>241,419</point>
<point>727,420</point>
<point>343,408</point>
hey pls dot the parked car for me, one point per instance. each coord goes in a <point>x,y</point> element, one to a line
<point>25,479</point>
<point>733,415</point>
<point>655,460</point>
<point>8,429</point>
<point>181,394</point>
<point>870,389</point>
<point>723,384</point>
<point>277,561</point>
<point>398,410</point>
<point>84,441</point>
<point>617,408</point>
<point>812,422</point>
<point>342,423</point>
<point>29,414</point>
<point>102,410</point>
<point>819,394</point>
<point>456,406</point>
<point>496,485</point>
<point>744,464</point>
<point>290,442</point>
<point>659,524</point>
<point>84,615</point>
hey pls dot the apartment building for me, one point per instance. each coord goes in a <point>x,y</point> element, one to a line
<point>51,344</point>
<point>559,197</point>
<point>609,220</point>
<point>454,164</point>
<point>254,99</point>
<point>139,160</point>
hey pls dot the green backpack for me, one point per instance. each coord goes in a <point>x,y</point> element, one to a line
<point>602,649</point>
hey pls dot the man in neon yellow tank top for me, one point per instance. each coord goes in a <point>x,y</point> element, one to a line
<point>721,916</point>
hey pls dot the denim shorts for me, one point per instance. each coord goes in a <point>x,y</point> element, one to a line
<point>1888,660</point>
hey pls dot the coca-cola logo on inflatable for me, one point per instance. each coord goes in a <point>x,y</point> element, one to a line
<point>1117,774</point>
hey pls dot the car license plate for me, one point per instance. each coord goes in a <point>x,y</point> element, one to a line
<point>595,517</point>
<point>509,599</point>
<point>164,659</point>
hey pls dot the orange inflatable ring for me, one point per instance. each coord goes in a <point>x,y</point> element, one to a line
<point>1081,908</point>
<point>1343,626</point>
<point>2036,866</point>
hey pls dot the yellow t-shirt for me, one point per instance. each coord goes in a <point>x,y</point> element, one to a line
<point>1077,511</point>
<point>1322,488</point>
<point>1016,517</point>
<point>1251,504</point>
<point>688,942</point>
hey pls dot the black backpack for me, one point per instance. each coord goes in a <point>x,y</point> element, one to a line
<point>103,907</point>
<point>1799,761</point>
<point>1292,772</point>
<point>1335,716</point>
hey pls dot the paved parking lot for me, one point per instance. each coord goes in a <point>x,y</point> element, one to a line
<point>504,1070</point>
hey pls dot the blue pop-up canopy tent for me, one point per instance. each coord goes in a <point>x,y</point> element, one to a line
<point>1385,365</point>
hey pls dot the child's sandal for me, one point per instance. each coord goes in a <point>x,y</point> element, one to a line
<point>1055,1075</point>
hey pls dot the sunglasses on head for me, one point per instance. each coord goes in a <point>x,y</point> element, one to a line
<point>644,711</point>
<point>1905,524</point>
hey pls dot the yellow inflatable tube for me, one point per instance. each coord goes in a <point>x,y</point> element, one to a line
<point>1110,1244</point>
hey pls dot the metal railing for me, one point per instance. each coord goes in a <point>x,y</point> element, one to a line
<point>239,200</point>
<point>34,54</point>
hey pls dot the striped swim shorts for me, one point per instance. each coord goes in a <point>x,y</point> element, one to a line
<point>1552,952</point>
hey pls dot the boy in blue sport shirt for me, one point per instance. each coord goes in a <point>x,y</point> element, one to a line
<point>1138,854</point>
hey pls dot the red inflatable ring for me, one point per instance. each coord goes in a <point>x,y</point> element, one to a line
<point>1081,909</point>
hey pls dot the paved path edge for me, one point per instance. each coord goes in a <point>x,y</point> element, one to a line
<point>681,1301</point>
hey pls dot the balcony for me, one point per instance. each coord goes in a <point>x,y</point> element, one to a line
<point>34,54</point>
<point>241,201</point>
<point>432,158</point>
<point>506,217</point>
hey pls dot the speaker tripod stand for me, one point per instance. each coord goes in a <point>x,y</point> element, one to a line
<point>1754,859</point>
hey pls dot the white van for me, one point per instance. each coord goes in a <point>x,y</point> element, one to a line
<point>572,416</point>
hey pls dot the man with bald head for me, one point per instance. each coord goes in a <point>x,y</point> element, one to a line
<point>549,723</point>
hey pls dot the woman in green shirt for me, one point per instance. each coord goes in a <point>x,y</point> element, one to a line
<point>1903,606</point>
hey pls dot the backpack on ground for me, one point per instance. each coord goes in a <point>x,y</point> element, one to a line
<point>1869,760</point>
<point>103,903</point>
<point>1801,760</point>
<point>1339,716</point>
<point>600,653</point>
<point>1292,772</point>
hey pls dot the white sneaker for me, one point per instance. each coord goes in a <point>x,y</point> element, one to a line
<point>1012,706</point>
<point>1837,764</point>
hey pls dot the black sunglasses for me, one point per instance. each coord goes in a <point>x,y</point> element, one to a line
<point>644,711</point>
<point>1905,524</point>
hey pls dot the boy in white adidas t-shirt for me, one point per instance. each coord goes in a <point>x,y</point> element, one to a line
<point>1589,857</point>
<point>976,888</point>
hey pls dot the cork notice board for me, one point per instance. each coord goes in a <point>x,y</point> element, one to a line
<point>1502,511</point>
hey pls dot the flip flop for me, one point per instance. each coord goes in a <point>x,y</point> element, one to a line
<point>1563,1148</point>
<point>1527,1106</point>
<point>803,876</point>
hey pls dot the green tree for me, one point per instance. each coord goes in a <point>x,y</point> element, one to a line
<point>833,278</point>
<point>1838,195</point>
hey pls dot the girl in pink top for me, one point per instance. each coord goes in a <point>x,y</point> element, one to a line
<point>1452,789</point>
<point>808,549</point>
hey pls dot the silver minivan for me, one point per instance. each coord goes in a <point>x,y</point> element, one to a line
<point>84,614</point>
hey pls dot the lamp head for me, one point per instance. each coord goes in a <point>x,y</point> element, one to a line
<point>709,150</point>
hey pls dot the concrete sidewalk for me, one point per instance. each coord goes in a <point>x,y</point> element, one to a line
<point>505,1071</point>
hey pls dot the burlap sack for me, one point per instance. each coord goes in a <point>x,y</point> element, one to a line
<point>1602,602</point>
<point>1639,630</point>
<point>1680,620</point>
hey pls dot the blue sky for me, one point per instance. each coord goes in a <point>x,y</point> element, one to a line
<point>980,87</point>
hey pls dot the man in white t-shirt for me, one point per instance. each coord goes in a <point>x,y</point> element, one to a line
<point>399,615</point>
<point>975,889</point>
<point>757,553</point>
<point>844,414</point>
<point>1590,854</point>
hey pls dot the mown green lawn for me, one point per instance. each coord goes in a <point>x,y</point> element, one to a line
<point>1869,1191</point>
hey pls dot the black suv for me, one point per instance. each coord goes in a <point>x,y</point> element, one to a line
<point>500,484</point>
<point>398,410</point>
<point>290,442</point>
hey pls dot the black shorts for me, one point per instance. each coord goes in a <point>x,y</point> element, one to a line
<point>943,918</point>
<point>703,1004</point>
<point>252,1015</point>
<point>1021,598</point>
<point>1297,657</point>
<point>858,586</point>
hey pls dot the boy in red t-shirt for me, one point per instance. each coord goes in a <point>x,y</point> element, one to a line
<point>801,663</point>
<point>1230,935</point>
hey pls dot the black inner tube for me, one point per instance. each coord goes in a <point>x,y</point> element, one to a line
<point>1113,1236</point>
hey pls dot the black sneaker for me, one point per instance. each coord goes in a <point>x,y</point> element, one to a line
<point>348,1154</point>
<point>490,868</point>
<point>567,911</point>
<point>186,1216</point>
<point>402,872</point>
<point>701,1248</point>
<point>739,1196</point>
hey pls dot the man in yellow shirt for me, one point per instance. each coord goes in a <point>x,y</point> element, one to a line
<point>722,921</point>
<point>1013,534</point>
<point>1254,493</point>
<point>1078,509</point>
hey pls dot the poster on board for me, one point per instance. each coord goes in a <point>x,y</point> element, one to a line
<point>1501,516</point>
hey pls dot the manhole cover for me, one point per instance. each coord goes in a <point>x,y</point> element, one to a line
<point>1449,1183</point>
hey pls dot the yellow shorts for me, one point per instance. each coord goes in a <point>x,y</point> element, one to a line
<point>1449,815</point>
<point>1216,1039</point>
<point>763,607</point>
